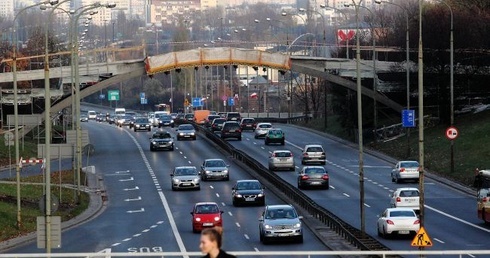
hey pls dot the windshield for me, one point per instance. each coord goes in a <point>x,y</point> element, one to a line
<point>185,172</point>
<point>280,214</point>
<point>186,127</point>
<point>248,186</point>
<point>409,164</point>
<point>162,136</point>
<point>215,163</point>
<point>206,209</point>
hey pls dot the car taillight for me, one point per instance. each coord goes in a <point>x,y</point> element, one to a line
<point>402,169</point>
<point>239,130</point>
<point>305,154</point>
<point>416,222</point>
<point>325,177</point>
<point>484,199</point>
<point>398,199</point>
<point>273,155</point>
<point>390,222</point>
<point>305,177</point>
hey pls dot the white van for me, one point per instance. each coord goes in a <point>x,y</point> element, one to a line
<point>120,111</point>
<point>92,115</point>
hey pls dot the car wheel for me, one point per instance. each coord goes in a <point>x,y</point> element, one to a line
<point>172,148</point>
<point>327,186</point>
<point>303,162</point>
<point>227,178</point>
<point>261,237</point>
<point>379,232</point>
<point>149,129</point>
<point>299,186</point>
<point>198,188</point>
<point>151,148</point>
<point>292,168</point>
<point>397,180</point>
<point>271,169</point>
<point>240,138</point>
<point>265,240</point>
<point>194,230</point>
<point>235,204</point>
<point>256,137</point>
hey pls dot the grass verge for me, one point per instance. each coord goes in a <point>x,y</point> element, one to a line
<point>31,192</point>
<point>471,148</point>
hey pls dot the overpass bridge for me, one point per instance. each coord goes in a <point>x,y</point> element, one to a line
<point>330,69</point>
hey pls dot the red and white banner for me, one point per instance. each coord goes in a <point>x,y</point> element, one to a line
<point>344,35</point>
<point>254,95</point>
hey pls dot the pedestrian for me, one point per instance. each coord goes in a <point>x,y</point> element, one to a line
<point>211,240</point>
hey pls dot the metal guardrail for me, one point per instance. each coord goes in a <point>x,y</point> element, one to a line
<point>342,228</point>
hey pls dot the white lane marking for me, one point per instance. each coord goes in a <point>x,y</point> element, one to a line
<point>237,224</point>
<point>132,189</point>
<point>115,244</point>
<point>217,195</point>
<point>231,214</point>
<point>137,235</point>
<point>223,204</point>
<point>470,255</point>
<point>438,240</point>
<point>256,249</point>
<point>134,199</point>
<point>346,194</point>
<point>171,219</point>
<point>122,172</point>
<point>365,204</point>
<point>246,236</point>
<point>211,187</point>
<point>331,186</point>
<point>146,230</point>
<point>458,219</point>
<point>126,240</point>
<point>125,180</point>
<point>137,211</point>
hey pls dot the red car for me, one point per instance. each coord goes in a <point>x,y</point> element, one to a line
<point>206,215</point>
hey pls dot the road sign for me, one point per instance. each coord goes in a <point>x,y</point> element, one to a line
<point>186,102</point>
<point>452,133</point>
<point>196,102</point>
<point>408,118</point>
<point>422,239</point>
<point>113,95</point>
<point>231,101</point>
<point>101,96</point>
<point>55,232</point>
<point>144,101</point>
<point>224,98</point>
<point>9,138</point>
<point>142,95</point>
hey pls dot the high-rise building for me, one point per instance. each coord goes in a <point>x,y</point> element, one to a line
<point>166,11</point>
<point>7,9</point>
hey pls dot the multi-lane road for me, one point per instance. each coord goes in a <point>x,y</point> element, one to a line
<point>144,215</point>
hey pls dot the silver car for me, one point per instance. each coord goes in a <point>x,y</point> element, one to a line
<point>281,159</point>
<point>186,131</point>
<point>215,169</point>
<point>313,153</point>
<point>185,177</point>
<point>261,129</point>
<point>280,222</point>
<point>405,170</point>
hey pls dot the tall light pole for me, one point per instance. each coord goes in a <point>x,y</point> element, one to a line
<point>451,76</point>
<point>359,117</point>
<point>47,131</point>
<point>345,17</point>
<point>421,117</point>
<point>323,20</point>
<point>16,108</point>
<point>407,61</point>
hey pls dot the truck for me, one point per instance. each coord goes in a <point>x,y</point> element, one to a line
<point>119,111</point>
<point>200,116</point>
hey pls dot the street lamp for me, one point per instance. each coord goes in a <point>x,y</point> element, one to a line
<point>16,108</point>
<point>359,117</point>
<point>345,17</point>
<point>323,19</point>
<point>407,61</point>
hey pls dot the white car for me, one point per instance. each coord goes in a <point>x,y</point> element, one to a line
<point>261,129</point>
<point>405,170</point>
<point>281,159</point>
<point>407,197</point>
<point>400,221</point>
<point>313,153</point>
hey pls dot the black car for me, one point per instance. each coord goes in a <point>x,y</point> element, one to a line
<point>248,124</point>
<point>142,123</point>
<point>248,192</point>
<point>161,140</point>
<point>165,120</point>
<point>231,129</point>
<point>217,124</point>
<point>233,116</point>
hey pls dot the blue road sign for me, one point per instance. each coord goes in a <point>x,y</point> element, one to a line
<point>196,102</point>
<point>408,118</point>
<point>144,101</point>
<point>142,95</point>
<point>231,101</point>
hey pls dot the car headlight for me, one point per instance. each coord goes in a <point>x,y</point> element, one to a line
<point>207,172</point>
<point>137,125</point>
<point>198,219</point>
<point>181,134</point>
<point>238,195</point>
<point>297,225</point>
<point>196,180</point>
<point>225,171</point>
<point>176,180</point>
<point>217,218</point>
<point>154,143</point>
<point>192,133</point>
<point>260,195</point>
<point>172,121</point>
<point>267,226</point>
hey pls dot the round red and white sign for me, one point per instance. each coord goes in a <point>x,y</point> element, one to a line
<point>452,133</point>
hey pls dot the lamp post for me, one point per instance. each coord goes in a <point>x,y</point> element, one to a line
<point>16,108</point>
<point>407,60</point>
<point>75,43</point>
<point>345,17</point>
<point>359,117</point>
<point>421,118</point>
<point>451,76</point>
<point>47,131</point>
<point>323,20</point>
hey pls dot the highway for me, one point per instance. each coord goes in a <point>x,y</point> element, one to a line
<point>143,214</point>
<point>449,213</point>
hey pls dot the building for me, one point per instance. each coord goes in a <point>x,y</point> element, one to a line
<point>7,9</point>
<point>166,11</point>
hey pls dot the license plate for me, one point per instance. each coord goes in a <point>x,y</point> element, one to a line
<point>232,131</point>
<point>283,235</point>
<point>315,183</point>
<point>249,199</point>
<point>207,224</point>
<point>403,232</point>
<point>186,184</point>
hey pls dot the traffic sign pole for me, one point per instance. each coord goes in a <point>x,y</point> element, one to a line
<point>452,133</point>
